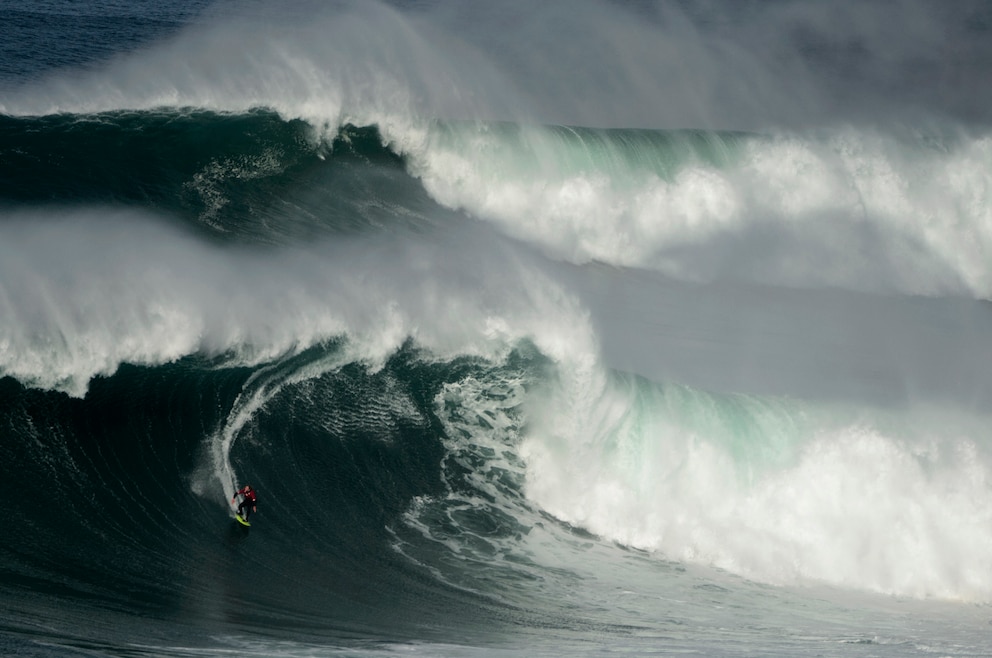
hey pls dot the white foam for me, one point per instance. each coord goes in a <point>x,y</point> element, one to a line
<point>767,491</point>
<point>84,293</point>
<point>847,207</point>
<point>854,209</point>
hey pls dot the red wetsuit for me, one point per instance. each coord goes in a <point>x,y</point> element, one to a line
<point>248,501</point>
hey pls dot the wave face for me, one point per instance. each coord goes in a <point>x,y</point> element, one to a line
<point>537,344</point>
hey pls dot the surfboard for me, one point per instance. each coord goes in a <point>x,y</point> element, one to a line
<point>242,521</point>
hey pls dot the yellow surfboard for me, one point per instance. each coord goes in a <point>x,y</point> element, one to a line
<point>242,521</point>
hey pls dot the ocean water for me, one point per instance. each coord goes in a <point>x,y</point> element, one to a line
<point>542,329</point>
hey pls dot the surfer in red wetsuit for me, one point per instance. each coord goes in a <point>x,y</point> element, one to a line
<point>248,501</point>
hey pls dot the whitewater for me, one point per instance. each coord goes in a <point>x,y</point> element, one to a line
<point>570,329</point>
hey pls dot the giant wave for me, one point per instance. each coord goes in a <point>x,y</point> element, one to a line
<point>502,383</point>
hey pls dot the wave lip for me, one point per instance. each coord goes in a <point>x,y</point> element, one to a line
<point>851,209</point>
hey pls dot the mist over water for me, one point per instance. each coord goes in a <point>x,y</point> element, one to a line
<point>91,290</point>
<point>712,65</point>
<point>578,320</point>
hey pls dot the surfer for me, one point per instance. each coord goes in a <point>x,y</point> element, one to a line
<point>248,501</point>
